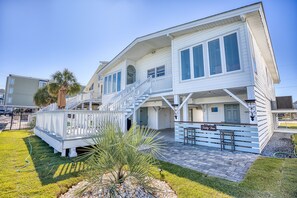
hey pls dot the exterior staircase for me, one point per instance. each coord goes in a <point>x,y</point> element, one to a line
<point>74,101</point>
<point>130,99</point>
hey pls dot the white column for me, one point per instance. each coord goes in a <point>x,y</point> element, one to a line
<point>251,96</point>
<point>185,111</point>
<point>177,101</point>
<point>90,105</point>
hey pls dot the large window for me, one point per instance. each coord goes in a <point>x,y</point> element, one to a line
<point>112,83</point>
<point>119,82</point>
<point>215,63</point>
<point>198,61</point>
<point>185,64</point>
<point>223,56</point>
<point>105,85</point>
<point>231,52</point>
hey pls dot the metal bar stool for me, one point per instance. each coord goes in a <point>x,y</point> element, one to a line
<point>229,142</point>
<point>190,134</point>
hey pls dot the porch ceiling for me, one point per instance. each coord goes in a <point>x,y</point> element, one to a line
<point>217,93</point>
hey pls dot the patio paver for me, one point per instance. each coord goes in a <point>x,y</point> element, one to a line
<point>211,161</point>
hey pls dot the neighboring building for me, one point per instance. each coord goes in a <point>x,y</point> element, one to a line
<point>284,102</point>
<point>295,105</point>
<point>210,75</point>
<point>21,89</point>
<point>2,94</point>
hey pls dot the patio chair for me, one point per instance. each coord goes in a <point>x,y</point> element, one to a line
<point>190,134</point>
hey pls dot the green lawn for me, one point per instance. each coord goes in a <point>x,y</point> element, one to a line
<point>48,174</point>
<point>288,125</point>
<point>294,138</point>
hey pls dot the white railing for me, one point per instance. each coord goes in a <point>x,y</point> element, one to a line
<point>73,101</point>
<point>67,124</point>
<point>129,99</point>
<point>119,96</point>
<point>162,84</point>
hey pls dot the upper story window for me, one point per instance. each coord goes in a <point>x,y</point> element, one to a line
<point>160,71</point>
<point>156,72</point>
<point>151,73</point>
<point>223,56</point>
<point>198,61</point>
<point>214,51</point>
<point>92,87</point>
<point>231,52</point>
<point>11,81</point>
<point>112,83</point>
<point>185,64</point>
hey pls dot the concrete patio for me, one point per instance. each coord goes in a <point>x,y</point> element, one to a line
<point>211,161</point>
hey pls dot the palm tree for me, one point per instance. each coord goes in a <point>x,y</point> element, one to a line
<point>42,97</point>
<point>117,156</point>
<point>64,79</point>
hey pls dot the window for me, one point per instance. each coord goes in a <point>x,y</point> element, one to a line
<point>9,100</point>
<point>160,71</point>
<point>214,109</point>
<point>42,84</point>
<point>198,61</point>
<point>105,85</point>
<point>185,64</point>
<point>231,52</point>
<point>109,84</point>
<point>11,90</point>
<point>214,52</point>
<point>114,82</point>
<point>92,87</point>
<point>11,81</point>
<point>151,73</point>
<point>119,82</point>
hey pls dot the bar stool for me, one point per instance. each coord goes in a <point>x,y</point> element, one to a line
<point>190,134</point>
<point>229,142</point>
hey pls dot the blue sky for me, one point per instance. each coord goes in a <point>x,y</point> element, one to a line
<point>39,37</point>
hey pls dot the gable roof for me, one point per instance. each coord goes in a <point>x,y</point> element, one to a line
<point>253,14</point>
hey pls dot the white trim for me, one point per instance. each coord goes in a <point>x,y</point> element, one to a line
<point>236,98</point>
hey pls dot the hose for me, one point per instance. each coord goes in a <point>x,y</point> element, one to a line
<point>285,153</point>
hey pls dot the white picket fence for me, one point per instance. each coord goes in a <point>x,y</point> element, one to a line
<point>245,135</point>
<point>67,124</point>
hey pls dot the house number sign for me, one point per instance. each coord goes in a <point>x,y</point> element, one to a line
<point>207,127</point>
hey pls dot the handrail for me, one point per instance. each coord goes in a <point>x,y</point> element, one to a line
<point>129,99</point>
<point>119,97</point>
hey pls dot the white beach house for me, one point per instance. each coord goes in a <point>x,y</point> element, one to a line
<point>212,75</point>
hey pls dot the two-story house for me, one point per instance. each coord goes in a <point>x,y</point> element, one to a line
<point>209,75</point>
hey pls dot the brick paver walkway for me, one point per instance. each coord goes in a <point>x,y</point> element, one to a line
<point>211,161</point>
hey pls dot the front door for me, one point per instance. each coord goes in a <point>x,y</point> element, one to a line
<point>232,113</point>
<point>143,116</point>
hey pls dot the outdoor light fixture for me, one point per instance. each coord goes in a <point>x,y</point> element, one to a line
<point>252,108</point>
<point>175,106</point>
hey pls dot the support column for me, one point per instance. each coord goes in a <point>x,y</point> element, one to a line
<point>63,153</point>
<point>177,102</point>
<point>90,106</point>
<point>253,108</point>
<point>185,111</point>
<point>72,152</point>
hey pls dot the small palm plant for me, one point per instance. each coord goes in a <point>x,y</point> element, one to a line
<point>117,156</point>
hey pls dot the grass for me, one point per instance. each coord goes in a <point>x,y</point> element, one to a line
<point>288,125</point>
<point>294,139</point>
<point>49,175</point>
